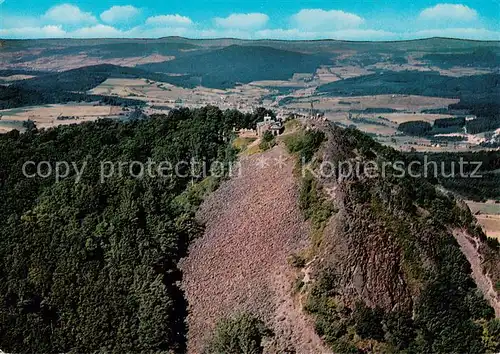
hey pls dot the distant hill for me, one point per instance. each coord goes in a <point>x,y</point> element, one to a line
<point>483,87</point>
<point>103,48</point>
<point>223,63</point>
<point>436,44</point>
<point>125,50</point>
<point>225,67</point>
<point>487,57</point>
<point>86,78</point>
<point>478,94</point>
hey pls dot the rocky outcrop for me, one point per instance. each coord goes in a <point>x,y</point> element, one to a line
<point>366,260</point>
<point>384,254</point>
<point>470,247</point>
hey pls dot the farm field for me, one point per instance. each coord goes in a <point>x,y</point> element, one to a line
<point>158,93</point>
<point>328,74</point>
<point>410,143</point>
<point>407,103</point>
<point>490,224</point>
<point>47,116</point>
<point>488,215</point>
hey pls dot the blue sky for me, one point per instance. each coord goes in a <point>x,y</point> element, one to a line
<point>281,19</point>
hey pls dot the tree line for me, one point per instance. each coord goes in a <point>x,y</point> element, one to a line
<point>90,266</point>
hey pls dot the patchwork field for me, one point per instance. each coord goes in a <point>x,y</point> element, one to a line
<point>68,62</point>
<point>380,115</point>
<point>373,87</point>
<point>399,118</point>
<point>407,103</point>
<point>58,114</point>
<point>334,73</point>
<point>159,94</point>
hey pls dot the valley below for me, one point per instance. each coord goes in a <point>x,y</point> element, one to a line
<point>290,244</point>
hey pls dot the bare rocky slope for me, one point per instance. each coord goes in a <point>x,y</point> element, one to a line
<point>253,224</point>
<point>382,270</point>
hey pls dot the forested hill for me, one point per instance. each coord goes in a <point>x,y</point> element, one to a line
<point>71,85</point>
<point>88,263</point>
<point>83,79</point>
<point>90,266</point>
<point>478,94</point>
<point>225,67</point>
<point>15,96</point>
<point>478,87</point>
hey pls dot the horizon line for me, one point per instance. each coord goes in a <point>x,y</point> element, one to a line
<point>254,40</point>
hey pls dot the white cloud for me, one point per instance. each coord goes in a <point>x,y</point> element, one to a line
<point>68,21</point>
<point>105,31</point>
<point>33,32</point>
<point>243,21</point>
<point>318,19</point>
<point>119,14</point>
<point>68,14</point>
<point>447,12</point>
<point>97,31</point>
<point>169,20</point>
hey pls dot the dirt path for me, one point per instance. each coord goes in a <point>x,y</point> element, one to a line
<point>252,225</point>
<point>483,281</point>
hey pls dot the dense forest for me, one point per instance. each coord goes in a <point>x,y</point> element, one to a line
<point>71,86</point>
<point>445,163</point>
<point>224,68</point>
<point>449,122</point>
<point>83,79</point>
<point>480,57</point>
<point>483,124</point>
<point>440,166</point>
<point>440,309</point>
<point>15,96</point>
<point>116,50</point>
<point>416,83</point>
<point>416,127</point>
<point>485,107</point>
<point>451,125</point>
<point>89,265</point>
